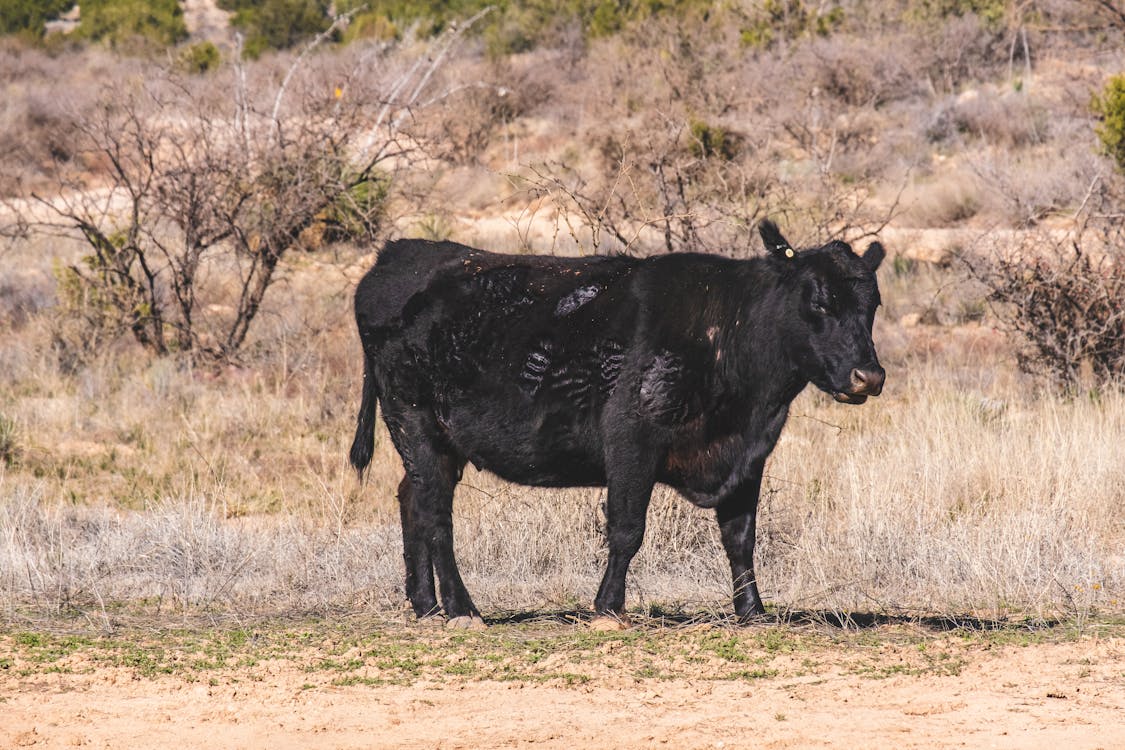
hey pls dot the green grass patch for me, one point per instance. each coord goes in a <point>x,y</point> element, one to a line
<point>375,652</point>
<point>752,674</point>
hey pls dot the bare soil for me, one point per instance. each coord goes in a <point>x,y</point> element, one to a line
<point>881,691</point>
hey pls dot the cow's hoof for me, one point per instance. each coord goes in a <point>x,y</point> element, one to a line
<point>465,622</point>
<point>609,623</point>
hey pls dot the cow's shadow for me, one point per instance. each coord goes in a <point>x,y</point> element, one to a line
<point>938,623</point>
<point>799,618</point>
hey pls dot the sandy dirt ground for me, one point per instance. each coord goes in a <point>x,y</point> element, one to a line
<point>1061,696</point>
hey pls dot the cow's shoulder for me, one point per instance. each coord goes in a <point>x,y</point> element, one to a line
<point>691,295</point>
<point>691,278</point>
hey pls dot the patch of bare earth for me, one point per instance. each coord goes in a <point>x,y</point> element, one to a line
<point>1046,695</point>
<point>205,19</point>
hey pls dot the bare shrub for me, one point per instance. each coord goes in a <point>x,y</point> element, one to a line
<point>661,189</point>
<point>1111,13</point>
<point>949,200</point>
<point>206,195</point>
<point>470,123</point>
<point>680,166</point>
<point>1025,187</point>
<point>959,51</point>
<point>23,296</point>
<point>849,70</point>
<point>45,96</point>
<point>1065,304</point>
<point>1005,118</point>
<point>474,113</point>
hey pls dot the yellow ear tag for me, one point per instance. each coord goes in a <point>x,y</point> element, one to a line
<point>788,252</point>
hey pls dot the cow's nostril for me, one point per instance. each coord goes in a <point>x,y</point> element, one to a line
<point>868,382</point>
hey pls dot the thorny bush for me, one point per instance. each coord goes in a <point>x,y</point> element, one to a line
<point>201,195</point>
<point>1067,307</point>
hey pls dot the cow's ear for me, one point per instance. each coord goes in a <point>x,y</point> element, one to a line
<point>777,245</point>
<point>874,256</point>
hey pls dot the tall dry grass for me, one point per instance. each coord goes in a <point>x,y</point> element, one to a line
<point>136,482</point>
<point>132,481</point>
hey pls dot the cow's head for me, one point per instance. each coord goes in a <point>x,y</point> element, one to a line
<point>831,298</point>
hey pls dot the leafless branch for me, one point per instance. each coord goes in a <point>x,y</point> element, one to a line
<point>319,39</point>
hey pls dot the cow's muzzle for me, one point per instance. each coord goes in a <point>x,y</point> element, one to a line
<point>864,382</point>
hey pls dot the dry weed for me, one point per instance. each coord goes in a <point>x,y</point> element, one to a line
<point>128,480</point>
<point>962,489</point>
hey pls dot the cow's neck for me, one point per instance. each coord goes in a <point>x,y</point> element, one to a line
<point>754,366</point>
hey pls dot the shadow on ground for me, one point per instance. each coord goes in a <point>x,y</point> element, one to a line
<point>833,619</point>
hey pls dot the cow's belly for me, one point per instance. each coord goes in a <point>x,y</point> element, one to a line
<point>522,444</point>
<point>702,467</point>
<point>549,471</point>
<point>708,471</point>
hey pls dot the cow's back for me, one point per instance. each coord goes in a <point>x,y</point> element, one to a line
<point>409,267</point>
<point>512,354</point>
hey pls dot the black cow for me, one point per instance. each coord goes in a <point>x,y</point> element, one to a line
<point>602,371</point>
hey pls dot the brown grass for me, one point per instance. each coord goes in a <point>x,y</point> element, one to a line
<point>965,488</point>
<point>132,481</point>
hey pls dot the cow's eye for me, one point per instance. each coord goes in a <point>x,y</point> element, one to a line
<point>823,304</point>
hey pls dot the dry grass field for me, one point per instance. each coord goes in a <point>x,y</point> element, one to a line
<point>183,545</point>
<point>968,489</point>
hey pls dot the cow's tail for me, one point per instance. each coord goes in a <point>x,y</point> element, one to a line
<point>363,447</point>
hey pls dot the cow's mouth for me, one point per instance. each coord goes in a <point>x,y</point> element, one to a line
<point>849,398</point>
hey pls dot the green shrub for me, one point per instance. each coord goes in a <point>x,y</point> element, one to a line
<point>514,27</point>
<point>370,25</point>
<point>424,17</point>
<point>122,23</point>
<point>1109,106</point>
<point>358,213</point>
<point>604,17</point>
<point>200,58</point>
<point>9,445</point>
<point>512,33</point>
<point>788,19</point>
<point>97,301</point>
<point>710,141</point>
<point>434,227</point>
<point>30,16</point>
<point>607,18</point>
<point>990,11</point>
<point>277,24</point>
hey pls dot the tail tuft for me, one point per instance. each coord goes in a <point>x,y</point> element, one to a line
<point>363,447</point>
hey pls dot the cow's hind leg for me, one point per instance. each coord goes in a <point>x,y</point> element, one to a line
<point>438,514</point>
<point>432,472</point>
<point>416,554</point>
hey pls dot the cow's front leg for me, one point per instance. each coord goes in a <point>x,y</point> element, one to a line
<point>630,483</point>
<point>737,516</point>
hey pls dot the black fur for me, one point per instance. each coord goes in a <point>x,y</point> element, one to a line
<point>617,372</point>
